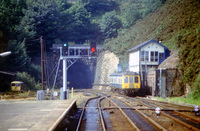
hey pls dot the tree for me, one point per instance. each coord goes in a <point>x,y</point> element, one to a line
<point>18,60</point>
<point>109,24</point>
<point>76,24</point>
<point>41,18</point>
<point>130,15</point>
<point>98,6</point>
<point>11,13</point>
<point>10,16</point>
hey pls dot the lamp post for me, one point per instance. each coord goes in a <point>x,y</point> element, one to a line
<point>5,53</point>
<point>2,55</point>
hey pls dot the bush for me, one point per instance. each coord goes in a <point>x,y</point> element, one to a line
<point>195,94</point>
<point>29,82</point>
<point>109,24</point>
<point>35,71</point>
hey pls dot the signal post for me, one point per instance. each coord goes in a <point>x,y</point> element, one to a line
<point>79,52</point>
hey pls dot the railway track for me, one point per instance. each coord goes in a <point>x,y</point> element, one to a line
<point>136,117</point>
<point>178,114</point>
<point>91,117</point>
<point>119,113</point>
<point>94,111</point>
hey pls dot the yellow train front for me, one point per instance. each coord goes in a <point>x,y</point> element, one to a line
<point>126,83</point>
<point>16,86</point>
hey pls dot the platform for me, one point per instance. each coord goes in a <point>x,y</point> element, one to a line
<point>32,115</point>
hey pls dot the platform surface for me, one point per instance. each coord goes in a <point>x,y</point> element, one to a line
<point>31,115</point>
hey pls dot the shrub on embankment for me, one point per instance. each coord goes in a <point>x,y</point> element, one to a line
<point>177,25</point>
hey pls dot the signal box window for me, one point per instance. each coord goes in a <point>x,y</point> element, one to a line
<point>147,55</point>
<point>161,56</point>
<point>142,55</point>
<point>152,56</point>
<point>156,56</point>
<point>136,79</point>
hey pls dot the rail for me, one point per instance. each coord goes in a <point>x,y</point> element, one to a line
<point>100,113</point>
<point>171,117</point>
<point>124,114</point>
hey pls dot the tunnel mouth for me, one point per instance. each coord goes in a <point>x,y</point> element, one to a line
<point>81,75</point>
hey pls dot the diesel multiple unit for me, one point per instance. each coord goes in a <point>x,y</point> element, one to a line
<point>127,83</point>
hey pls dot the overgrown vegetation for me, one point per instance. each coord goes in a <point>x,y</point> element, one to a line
<point>29,82</point>
<point>176,24</point>
<point>118,24</point>
<point>180,100</point>
<point>23,22</point>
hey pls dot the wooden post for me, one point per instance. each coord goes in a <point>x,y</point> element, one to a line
<point>42,61</point>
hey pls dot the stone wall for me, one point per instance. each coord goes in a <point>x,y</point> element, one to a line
<point>107,63</point>
<point>171,86</point>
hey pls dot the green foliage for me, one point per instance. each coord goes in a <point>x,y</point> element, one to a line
<point>189,63</point>
<point>18,60</point>
<point>98,6</point>
<point>35,71</point>
<point>181,100</point>
<point>10,16</point>
<point>110,24</point>
<point>149,6</point>
<point>132,10</point>
<point>41,18</point>
<point>195,94</point>
<point>189,58</point>
<point>23,22</point>
<point>129,15</point>
<point>77,19</point>
<point>29,82</point>
<point>11,13</point>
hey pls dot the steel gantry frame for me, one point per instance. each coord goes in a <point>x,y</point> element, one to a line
<point>74,52</point>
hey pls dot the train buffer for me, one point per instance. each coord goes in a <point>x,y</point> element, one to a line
<point>33,115</point>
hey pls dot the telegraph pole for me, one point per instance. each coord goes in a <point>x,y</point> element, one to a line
<point>42,61</point>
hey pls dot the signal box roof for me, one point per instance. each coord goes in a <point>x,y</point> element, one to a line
<point>145,43</point>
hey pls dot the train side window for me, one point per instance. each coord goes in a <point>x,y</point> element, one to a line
<point>115,79</point>
<point>126,79</point>
<point>131,79</point>
<point>111,79</point>
<point>136,79</point>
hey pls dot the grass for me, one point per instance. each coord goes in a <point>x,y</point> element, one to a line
<point>180,100</point>
<point>17,95</point>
